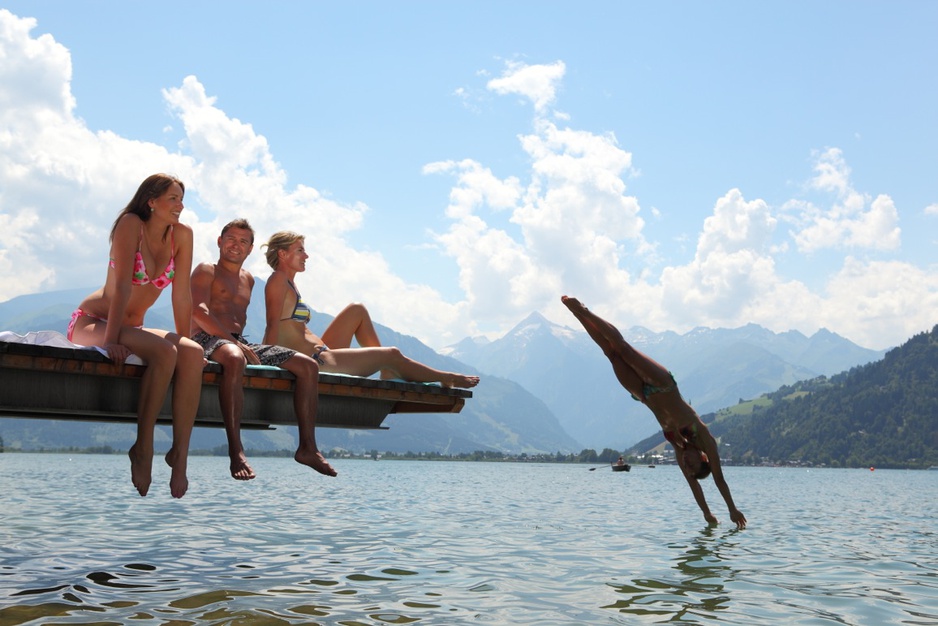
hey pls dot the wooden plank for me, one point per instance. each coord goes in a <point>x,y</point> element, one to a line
<point>76,384</point>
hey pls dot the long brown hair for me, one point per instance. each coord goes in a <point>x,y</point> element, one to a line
<point>153,187</point>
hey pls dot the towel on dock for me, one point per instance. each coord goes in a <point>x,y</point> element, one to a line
<point>56,340</point>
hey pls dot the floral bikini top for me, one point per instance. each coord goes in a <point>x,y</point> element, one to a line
<point>141,277</point>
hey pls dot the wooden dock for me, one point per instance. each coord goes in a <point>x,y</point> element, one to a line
<point>49,382</point>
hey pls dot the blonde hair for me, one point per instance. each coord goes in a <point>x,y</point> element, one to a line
<point>280,241</point>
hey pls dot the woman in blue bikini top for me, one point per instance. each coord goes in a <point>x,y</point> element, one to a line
<point>649,382</point>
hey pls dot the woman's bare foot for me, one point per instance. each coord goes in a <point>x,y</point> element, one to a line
<point>141,469</point>
<point>573,304</point>
<point>240,470</point>
<point>314,459</point>
<point>460,380</point>
<point>178,482</point>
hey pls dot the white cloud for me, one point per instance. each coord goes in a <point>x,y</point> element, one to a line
<point>538,83</point>
<point>569,226</point>
<point>932,209</point>
<point>852,221</point>
<point>63,184</point>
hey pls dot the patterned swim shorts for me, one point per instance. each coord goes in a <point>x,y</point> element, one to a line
<point>269,355</point>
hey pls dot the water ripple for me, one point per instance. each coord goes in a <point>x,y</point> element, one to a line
<point>447,543</point>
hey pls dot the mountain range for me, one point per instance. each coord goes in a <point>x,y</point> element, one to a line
<point>545,387</point>
<point>715,368</point>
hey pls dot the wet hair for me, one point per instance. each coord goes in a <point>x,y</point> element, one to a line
<point>238,223</point>
<point>153,187</point>
<point>280,241</point>
<point>704,469</point>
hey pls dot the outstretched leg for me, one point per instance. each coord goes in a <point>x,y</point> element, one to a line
<point>367,361</point>
<point>633,368</point>
<point>231,398</point>
<point>306,406</point>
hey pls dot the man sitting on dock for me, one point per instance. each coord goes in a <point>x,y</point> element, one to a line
<point>221,293</point>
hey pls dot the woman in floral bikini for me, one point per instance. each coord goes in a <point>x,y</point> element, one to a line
<point>148,234</point>
<point>652,384</point>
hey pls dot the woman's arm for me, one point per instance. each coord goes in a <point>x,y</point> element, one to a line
<point>275,294</point>
<point>696,489</point>
<point>123,250</point>
<point>182,295</point>
<point>708,445</point>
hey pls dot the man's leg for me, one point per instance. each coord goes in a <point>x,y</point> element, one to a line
<point>231,399</point>
<point>306,406</point>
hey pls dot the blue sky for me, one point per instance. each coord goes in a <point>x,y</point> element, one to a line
<point>458,165</point>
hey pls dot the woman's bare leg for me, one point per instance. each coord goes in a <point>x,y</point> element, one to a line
<point>187,390</point>
<point>353,321</point>
<point>367,361</point>
<point>160,357</point>
<point>617,349</point>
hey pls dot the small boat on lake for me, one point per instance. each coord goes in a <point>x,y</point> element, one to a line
<point>621,467</point>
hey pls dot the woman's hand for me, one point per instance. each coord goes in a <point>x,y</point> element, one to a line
<point>738,518</point>
<point>117,352</point>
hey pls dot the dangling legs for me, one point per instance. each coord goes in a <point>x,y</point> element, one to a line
<point>187,390</point>
<point>231,399</point>
<point>160,357</point>
<point>306,406</point>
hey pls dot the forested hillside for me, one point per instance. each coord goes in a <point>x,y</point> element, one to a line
<point>883,414</point>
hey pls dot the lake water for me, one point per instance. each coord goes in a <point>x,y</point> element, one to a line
<point>401,542</point>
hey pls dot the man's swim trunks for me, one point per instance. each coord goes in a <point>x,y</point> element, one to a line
<point>268,355</point>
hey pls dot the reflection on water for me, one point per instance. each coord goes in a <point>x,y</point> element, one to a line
<point>449,543</point>
<point>697,588</point>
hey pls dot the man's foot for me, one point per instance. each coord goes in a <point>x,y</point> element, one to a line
<point>141,469</point>
<point>315,460</point>
<point>178,481</point>
<point>240,470</point>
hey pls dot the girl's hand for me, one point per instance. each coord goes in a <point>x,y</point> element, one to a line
<point>117,352</point>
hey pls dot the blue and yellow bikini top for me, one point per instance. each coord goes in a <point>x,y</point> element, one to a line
<point>301,312</point>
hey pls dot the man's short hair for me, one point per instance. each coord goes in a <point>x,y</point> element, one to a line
<point>239,223</point>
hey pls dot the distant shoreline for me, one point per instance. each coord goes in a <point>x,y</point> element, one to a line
<point>477,457</point>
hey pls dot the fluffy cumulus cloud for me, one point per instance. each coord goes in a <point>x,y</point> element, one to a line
<point>567,224</point>
<point>853,220</point>
<point>62,184</point>
<point>579,230</point>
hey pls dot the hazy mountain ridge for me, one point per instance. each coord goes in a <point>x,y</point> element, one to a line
<point>882,414</point>
<point>545,387</point>
<point>714,367</point>
<point>502,416</point>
